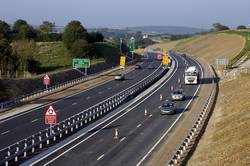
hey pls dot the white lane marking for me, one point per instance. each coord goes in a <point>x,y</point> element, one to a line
<point>74,103</point>
<point>123,139</point>
<point>161,138</point>
<point>5,132</point>
<point>150,115</point>
<point>69,149</point>
<point>34,120</point>
<point>88,97</point>
<point>44,106</point>
<point>139,125</point>
<point>99,158</point>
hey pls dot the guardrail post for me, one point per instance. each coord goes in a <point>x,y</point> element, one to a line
<point>25,147</point>
<point>33,142</point>
<point>47,135</point>
<point>40,140</point>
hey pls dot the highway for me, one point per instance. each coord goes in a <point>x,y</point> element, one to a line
<point>26,124</point>
<point>137,133</point>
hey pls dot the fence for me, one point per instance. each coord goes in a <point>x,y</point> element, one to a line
<point>188,143</point>
<point>29,146</point>
<point>42,92</point>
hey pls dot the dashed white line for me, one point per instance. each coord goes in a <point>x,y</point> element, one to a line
<point>74,103</point>
<point>34,120</point>
<point>99,158</point>
<point>5,132</point>
<point>88,98</point>
<point>150,115</point>
<point>123,139</point>
<point>139,125</point>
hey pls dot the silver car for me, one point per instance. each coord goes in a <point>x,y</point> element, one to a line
<point>120,77</point>
<point>167,108</point>
<point>178,94</point>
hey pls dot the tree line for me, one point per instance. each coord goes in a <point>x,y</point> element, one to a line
<point>18,46</point>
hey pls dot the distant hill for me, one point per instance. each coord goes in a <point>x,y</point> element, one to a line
<point>166,29</point>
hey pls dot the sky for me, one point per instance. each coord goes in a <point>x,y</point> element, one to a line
<point>128,13</point>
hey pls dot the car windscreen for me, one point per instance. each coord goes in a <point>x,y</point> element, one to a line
<point>168,105</point>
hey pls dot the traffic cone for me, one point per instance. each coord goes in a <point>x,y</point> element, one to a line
<point>146,113</point>
<point>116,134</point>
<point>161,98</point>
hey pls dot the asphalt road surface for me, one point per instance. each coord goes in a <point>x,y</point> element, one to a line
<point>20,127</point>
<point>137,133</point>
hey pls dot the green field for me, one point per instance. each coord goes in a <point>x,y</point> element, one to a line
<point>54,56</point>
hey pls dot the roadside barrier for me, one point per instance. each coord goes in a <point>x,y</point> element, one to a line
<point>27,147</point>
<point>52,89</point>
<point>182,152</point>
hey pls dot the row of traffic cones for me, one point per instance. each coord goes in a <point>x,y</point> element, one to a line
<point>116,136</point>
<point>146,114</point>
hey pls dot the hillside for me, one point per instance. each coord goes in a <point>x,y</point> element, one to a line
<point>166,29</point>
<point>226,138</point>
<point>209,47</point>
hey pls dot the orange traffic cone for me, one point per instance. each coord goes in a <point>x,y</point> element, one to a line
<point>146,113</point>
<point>116,134</point>
<point>161,98</point>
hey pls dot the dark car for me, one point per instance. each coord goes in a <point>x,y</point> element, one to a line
<point>137,66</point>
<point>168,107</point>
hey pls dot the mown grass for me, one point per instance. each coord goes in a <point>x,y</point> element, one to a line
<point>246,50</point>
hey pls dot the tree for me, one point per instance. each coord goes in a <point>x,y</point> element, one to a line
<point>95,37</point>
<point>4,30</point>
<point>220,27</point>
<point>241,27</point>
<point>5,53</point>
<point>80,49</point>
<point>22,30</point>
<point>24,50</point>
<point>73,32</point>
<point>47,27</point>
<point>26,32</point>
<point>17,25</point>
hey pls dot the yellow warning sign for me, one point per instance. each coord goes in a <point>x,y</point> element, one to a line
<point>164,50</point>
<point>165,60</point>
<point>122,61</point>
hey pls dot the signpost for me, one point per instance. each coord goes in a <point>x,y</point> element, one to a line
<point>164,50</point>
<point>165,60</point>
<point>50,117</point>
<point>132,46</point>
<point>46,80</point>
<point>81,63</point>
<point>222,62</point>
<point>122,61</point>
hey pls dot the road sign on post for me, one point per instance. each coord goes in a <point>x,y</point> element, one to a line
<point>132,46</point>
<point>122,61</point>
<point>50,117</point>
<point>165,60</point>
<point>81,63</point>
<point>164,50</point>
<point>46,80</point>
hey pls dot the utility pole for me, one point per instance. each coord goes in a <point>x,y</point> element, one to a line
<point>120,45</point>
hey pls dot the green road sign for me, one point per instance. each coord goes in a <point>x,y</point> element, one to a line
<point>132,44</point>
<point>81,63</point>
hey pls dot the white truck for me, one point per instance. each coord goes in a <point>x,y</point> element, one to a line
<point>191,75</point>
